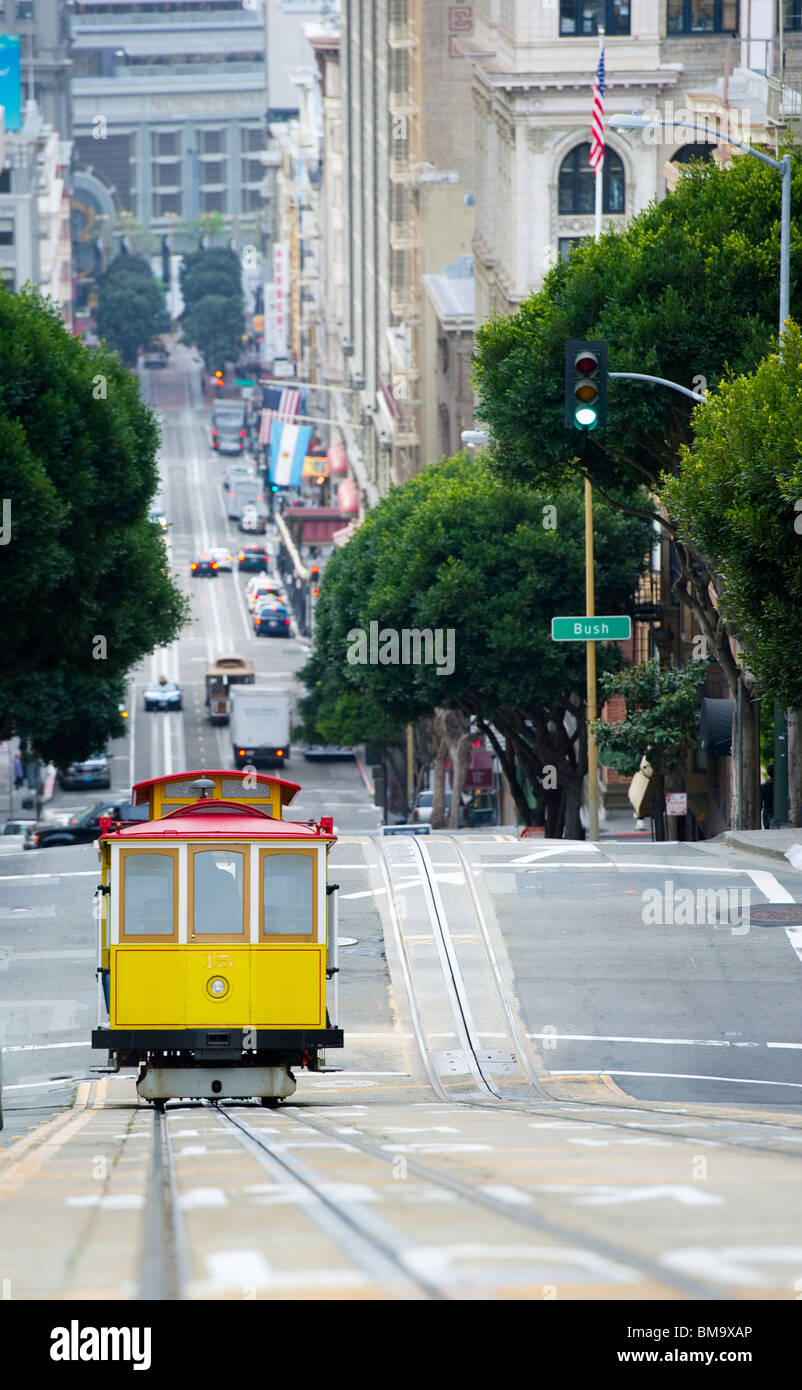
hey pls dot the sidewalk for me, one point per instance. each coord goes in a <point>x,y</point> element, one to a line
<point>769,844</point>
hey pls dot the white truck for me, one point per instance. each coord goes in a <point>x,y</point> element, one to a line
<point>246,492</point>
<point>260,726</point>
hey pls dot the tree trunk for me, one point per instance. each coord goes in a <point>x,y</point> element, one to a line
<point>572,828</point>
<point>659,804</point>
<point>439,786</point>
<point>525,811</point>
<point>460,759</point>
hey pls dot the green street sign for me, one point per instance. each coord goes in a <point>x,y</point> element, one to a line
<point>603,629</point>
<point>245,382</point>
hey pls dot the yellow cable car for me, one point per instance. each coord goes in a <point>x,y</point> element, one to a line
<point>217,934</point>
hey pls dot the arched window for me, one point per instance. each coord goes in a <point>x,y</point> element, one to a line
<point>577,183</point>
<point>686,153</point>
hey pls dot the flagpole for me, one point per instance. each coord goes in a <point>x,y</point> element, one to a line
<point>590,596</point>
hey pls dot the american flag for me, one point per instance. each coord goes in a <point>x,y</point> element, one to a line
<point>596,156</point>
<point>278,405</point>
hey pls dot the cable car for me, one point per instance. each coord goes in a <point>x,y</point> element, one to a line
<point>217,936</point>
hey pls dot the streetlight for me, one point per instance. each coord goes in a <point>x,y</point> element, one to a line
<point>783,167</point>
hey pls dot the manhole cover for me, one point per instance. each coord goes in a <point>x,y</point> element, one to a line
<point>776,915</point>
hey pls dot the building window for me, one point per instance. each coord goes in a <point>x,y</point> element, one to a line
<point>252,137</point>
<point>253,171</point>
<point>24,9</point>
<point>7,279</point>
<point>577,182</point>
<point>166,175</point>
<point>6,231</point>
<point>566,244</point>
<point>584,17</point>
<point>792,16</point>
<point>213,201</point>
<point>689,152</point>
<point>166,203</point>
<point>213,171</point>
<point>251,199</point>
<point>210,141</point>
<point>702,16</point>
<point>164,142</point>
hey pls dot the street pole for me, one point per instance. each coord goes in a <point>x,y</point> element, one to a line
<point>780,716</point>
<point>590,666</point>
<point>410,766</point>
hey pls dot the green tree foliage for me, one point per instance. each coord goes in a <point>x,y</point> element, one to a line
<point>215,272</point>
<point>738,498</point>
<point>456,549</point>
<point>86,589</point>
<point>131,307</point>
<point>688,291</point>
<point>662,716</point>
<point>214,324</point>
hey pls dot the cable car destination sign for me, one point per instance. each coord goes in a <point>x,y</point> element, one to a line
<point>596,629</point>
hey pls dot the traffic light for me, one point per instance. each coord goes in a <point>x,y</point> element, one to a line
<point>218,377</point>
<point>585,385</point>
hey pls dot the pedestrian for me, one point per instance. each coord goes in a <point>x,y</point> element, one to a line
<point>767,798</point>
<point>18,771</point>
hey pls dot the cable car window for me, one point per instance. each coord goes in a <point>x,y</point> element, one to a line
<point>288,894</point>
<point>217,892</point>
<point>149,899</point>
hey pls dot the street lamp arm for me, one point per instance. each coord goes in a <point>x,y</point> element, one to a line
<point>662,381</point>
<point>644,123</point>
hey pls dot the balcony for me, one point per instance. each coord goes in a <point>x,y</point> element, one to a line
<point>171,19</point>
<point>405,303</point>
<point>784,100</point>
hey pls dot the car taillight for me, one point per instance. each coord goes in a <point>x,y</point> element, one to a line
<point>257,622</point>
<point>214,432</point>
<point>286,622</point>
<point>194,566</point>
<point>279,752</point>
<point>214,564</point>
<point>231,494</point>
<point>241,752</point>
<point>415,815</point>
<point>242,434</point>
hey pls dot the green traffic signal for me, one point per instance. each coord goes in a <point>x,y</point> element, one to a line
<point>585,384</point>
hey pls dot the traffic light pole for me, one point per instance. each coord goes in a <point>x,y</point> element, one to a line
<point>590,667</point>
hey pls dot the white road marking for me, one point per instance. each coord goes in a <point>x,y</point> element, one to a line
<point>559,849</point>
<point>612,1037</point>
<point>676,1076</point>
<point>248,1269</point>
<point>437,1263</point>
<point>201,1197</point>
<point>38,1085</point>
<point>73,873</point>
<point>10,914</point>
<point>734,1264</point>
<point>47,1047</point>
<point>503,1192</point>
<point>118,1201</point>
<point>769,885</point>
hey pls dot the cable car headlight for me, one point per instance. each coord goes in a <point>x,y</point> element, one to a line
<point>217,987</point>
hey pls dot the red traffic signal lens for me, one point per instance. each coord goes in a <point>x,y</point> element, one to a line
<point>587,363</point>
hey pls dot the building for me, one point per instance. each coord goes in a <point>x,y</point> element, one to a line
<point>43,29</point>
<point>533,74</point>
<point>446,346</point>
<point>408,176</point>
<point>35,211</point>
<point>169,105</point>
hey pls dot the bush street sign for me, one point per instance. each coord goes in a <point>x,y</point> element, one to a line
<point>604,629</point>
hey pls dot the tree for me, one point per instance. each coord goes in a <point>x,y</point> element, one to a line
<point>661,722</point>
<point>86,587</point>
<point>490,564</point>
<point>210,272</point>
<point>131,307</point>
<point>687,291</point>
<point>214,325</point>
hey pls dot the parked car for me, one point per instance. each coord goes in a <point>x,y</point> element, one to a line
<point>159,518</point>
<point>253,557</point>
<point>203,564</point>
<point>16,826</point>
<point>423,808</point>
<point>271,620</point>
<point>325,751</point>
<point>163,694</point>
<point>82,828</point>
<point>93,772</point>
<point>223,556</point>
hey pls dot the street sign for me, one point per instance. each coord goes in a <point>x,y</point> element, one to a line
<point>244,381</point>
<point>602,629</point>
<point>676,803</point>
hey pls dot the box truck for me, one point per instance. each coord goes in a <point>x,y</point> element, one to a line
<point>260,726</point>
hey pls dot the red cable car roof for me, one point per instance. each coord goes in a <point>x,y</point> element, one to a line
<point>140,792</point>
<point>222,820</point>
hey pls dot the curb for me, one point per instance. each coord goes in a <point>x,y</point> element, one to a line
<point>733,841</point>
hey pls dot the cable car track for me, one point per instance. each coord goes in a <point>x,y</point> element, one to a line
<point>370,1243</point>
<point>397,856</point>
<point>598,1245</point>
<point>163,1265</point>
